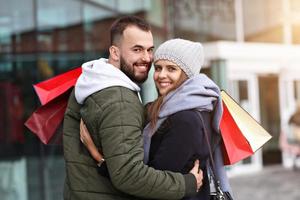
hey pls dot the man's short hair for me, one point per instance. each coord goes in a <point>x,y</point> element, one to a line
<point>118,27</point>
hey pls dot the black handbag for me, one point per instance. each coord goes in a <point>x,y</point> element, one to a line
<point>216,192</point>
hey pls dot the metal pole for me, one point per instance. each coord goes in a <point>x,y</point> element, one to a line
<point>41,162</point>
<point>287,32</point>
<point>239,21</point>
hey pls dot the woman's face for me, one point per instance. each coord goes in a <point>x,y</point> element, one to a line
<point>167,76</point>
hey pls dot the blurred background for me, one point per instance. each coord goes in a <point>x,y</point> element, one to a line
<point>251,49</point>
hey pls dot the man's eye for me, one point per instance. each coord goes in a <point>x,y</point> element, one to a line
<point>137,50</point>
<point>150,50</point>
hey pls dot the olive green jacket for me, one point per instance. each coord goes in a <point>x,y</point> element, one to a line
<point>114,117</point>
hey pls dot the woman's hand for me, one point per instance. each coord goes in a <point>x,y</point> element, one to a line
<point>86,139</point>
<point>197,172</point>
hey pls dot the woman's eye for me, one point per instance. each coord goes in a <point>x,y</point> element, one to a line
<point>171,69</point>
<point>157,68</point>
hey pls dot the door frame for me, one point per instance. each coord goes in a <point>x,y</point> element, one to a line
<point>253,108</point>
<point>287,108</point>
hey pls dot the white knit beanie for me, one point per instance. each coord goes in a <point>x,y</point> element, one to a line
<point>186,54</point>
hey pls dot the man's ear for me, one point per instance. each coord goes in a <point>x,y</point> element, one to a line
<point>114,53</point>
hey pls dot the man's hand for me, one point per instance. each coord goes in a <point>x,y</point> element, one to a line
<point>197,172</point>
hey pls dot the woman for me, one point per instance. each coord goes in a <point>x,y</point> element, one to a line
<point>174,137</point>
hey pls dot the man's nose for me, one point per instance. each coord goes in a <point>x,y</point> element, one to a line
<point>147,56</point>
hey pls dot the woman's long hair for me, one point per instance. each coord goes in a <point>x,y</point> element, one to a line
<point>154,108</point>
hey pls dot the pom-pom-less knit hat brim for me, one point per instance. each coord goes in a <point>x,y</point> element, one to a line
<point>186,54</point>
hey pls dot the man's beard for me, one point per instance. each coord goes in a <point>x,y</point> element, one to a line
<point>129,71</point>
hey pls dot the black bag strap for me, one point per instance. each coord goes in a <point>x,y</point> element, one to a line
<point>212,162</point>
<point>207,141</point>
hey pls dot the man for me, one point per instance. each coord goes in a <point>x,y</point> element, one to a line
<point>114,115</point>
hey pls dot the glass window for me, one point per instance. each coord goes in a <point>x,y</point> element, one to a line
<point>240,93</point>
<point>200,20</point>
<point>263,21</point>
<point>39,39</point>
<point>296,33</point>
<point>297,90</point>
<point>56,13</point>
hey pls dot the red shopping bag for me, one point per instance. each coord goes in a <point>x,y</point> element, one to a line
<point>242,134</point>
<point>54,87</point>
<point>235,145</point>
<point>46,121</point>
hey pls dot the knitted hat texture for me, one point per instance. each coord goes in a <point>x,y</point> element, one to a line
<point>186,54</point>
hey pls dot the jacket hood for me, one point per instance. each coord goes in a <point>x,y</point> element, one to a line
<point>98,75</point>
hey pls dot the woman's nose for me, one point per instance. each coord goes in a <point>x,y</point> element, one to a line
<point>162,73</point>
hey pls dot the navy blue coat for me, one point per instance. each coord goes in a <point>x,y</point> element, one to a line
<point>178,142</point>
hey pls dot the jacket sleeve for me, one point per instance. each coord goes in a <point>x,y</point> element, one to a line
<point>119,126</point>
<point>181,144</point>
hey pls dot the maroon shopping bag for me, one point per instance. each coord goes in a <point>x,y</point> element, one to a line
<point>46,121</point>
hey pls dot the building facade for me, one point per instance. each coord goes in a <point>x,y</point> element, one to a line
<point>251,47</point>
